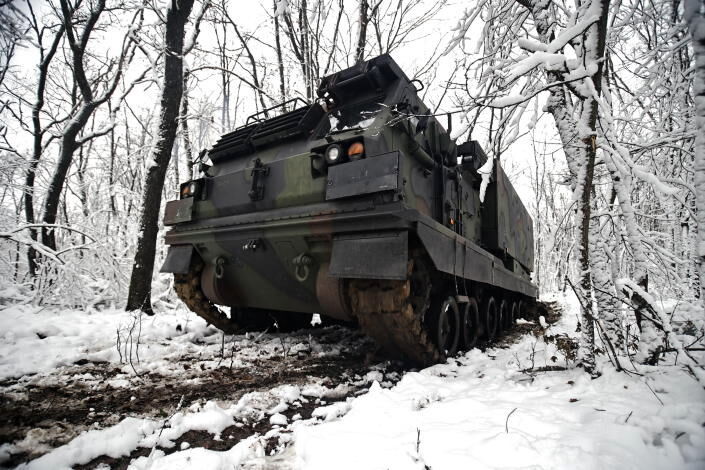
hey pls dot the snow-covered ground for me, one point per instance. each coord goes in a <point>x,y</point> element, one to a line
<point>512,406</point>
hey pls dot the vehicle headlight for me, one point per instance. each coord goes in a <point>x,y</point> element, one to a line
<point>190,189</point>
<point>333,154</point>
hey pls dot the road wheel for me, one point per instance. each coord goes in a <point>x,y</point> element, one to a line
<point>470,325</point>
<point>521,311</point>
<point>502,315</point>
<point>513,316</point>
<point>490,319</point>
<point>446,327</point>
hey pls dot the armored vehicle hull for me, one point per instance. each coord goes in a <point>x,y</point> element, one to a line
<point>360,208</point>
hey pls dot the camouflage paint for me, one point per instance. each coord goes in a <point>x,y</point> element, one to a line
<point>267,253</point>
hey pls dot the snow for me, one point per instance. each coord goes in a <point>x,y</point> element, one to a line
<point>279,419</point>
<point>196,458</point>
<point>131,433</point>
<point>35,339</point>
<point>506,407</point>
<point>115,441</point>
<point>282,8</point>
<point>486,173</point>
<point>562,40</point>
<point>482,411</point>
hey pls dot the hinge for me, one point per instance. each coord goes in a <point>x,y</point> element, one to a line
<point>259,171</point>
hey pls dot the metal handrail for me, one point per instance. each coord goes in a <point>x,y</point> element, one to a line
<point>254,117</point>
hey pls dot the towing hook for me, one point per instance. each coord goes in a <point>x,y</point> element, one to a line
<point>220,267</point>
<point>302,263</point>
<point>302,260</point>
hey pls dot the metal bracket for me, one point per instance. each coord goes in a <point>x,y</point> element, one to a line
<point>259,171</point>
<point>251,244</point>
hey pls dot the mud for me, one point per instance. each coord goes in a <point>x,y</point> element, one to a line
<point>49,411</point>
<point>54,410</point>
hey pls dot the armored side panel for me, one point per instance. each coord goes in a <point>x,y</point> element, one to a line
<point>507,227</point>
<point>371,175</point>
<point>372,255</point>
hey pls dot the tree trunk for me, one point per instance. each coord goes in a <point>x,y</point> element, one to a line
<point>362,32</point>
<point>185,133</point>
<point>594,52</point>
<point>581,151</point>
<point>37,133</point>
<point>66,151</point>
<point>280,59</point>
<point>586,345</point>
<point>111,173</point>
<point>88,104</point>
<point>139,296</point>
<point>695,16</point>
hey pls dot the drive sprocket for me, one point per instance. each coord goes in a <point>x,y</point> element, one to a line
<point>188,288</point>
<point>385,311</point>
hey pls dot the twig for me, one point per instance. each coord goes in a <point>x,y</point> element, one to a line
<point>506,422</point>
<point>603,335</point>
<point>652,391</point>
<point>628,416</point>
<point>222,349</point>
<point>139,336</point>
<point>117,344</point>
<point>178,407</point>
<point>232,353</point>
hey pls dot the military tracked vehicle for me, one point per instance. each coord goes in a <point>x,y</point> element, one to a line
<point>358,207</point>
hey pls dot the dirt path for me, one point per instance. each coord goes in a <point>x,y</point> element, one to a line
<point>42,412</point>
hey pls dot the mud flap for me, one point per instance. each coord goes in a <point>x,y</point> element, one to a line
<point>370,255</point>
<point>178,259</point>
<point>178,211</point>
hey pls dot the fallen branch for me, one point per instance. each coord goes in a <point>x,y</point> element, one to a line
<point>506,422</point>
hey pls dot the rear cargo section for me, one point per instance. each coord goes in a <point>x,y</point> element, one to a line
<point>507,227</point>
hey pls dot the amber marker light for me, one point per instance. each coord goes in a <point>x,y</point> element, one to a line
<point>356,150</point>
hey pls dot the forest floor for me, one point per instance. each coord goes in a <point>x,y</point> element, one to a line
<point>105,389</point>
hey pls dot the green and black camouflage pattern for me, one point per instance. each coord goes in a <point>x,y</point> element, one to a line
<point>280,228</point>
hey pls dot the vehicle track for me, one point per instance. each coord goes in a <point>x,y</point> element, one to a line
<point>384,309</point>
<point>385,312</point>
<point>188,288</point>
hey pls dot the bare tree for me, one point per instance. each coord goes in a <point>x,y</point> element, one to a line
<point>695,17</point>
<point>574,89</point>
<point>46,55</point>
<point>280,55</point>
<point>257,84</point>
<point>175,19</point>
<point>93,91</point>
<point>615,136</point>
<point>363,20</point>
<point>13,28</point>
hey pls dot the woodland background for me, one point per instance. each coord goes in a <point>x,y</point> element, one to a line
<point>595,106</point>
